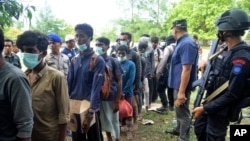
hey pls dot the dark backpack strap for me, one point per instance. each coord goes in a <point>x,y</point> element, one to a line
<point>158,53</point>
<point>113,66</point>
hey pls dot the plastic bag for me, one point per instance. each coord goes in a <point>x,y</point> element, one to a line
<point>125,109</point>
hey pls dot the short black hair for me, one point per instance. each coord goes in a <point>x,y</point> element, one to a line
<point>128,34</point>
<point>145,35</point>
<point>31,39</point>
<point>163,38</point>
<point>154,39</point>
<point>9,40</point>
<point>170,40</point>
<point>143,45</point>
<point>122,48</point>
<point>104,40</point>
<point>86,28</point>
<point>1,41</point>
<point>195,36</point>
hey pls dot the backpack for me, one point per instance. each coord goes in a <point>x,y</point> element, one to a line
<point>107,75</point>
<point>163,79</point>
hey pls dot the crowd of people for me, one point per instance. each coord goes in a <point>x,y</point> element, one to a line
<point>35,104</point>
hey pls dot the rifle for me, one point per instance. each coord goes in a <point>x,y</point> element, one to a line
<point>203,80</point>
<point>200,83</point>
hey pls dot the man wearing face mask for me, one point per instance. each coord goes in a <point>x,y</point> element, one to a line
<point>232,66</point>
<point>85,84</point>
<point>125,39</point>
<point>50,98</point>
<point>127,83</point>
<point>163,43</point>
<point>109,114</point>
<point>182,73</point>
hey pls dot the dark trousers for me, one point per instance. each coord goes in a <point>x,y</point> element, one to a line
<point>152,90</point>
<point>140,99</point>
<point>94,133</point>
<point>163,97</point>
<point>211,127</point>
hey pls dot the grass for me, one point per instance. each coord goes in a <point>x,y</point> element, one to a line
<point>162,122</point>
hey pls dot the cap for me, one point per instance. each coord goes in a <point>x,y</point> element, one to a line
<point>69,37</point>
<point>54,37</point>
<point>182,23</point>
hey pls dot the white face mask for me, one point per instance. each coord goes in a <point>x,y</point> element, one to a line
<point>123,43</point>
<point>162,43</point>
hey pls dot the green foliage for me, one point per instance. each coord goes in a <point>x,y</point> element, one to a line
<point>200,15</point>
<point>11,9</point>
<point>12,33</point>
<point>48,23</point>
<point>155,17</point>
<point>146,18</point>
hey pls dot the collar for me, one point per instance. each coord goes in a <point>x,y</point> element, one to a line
<point>53,55</point>
<point>88,53</point>
<point>40,73</point>
<point>240,45</point>
<point>11,54</point>
<point>181,38</point>
<point>69,49</point>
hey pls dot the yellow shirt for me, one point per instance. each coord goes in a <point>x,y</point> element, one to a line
<point>50,103</point>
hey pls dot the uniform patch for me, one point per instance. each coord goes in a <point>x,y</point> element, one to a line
<point>239,61</point>
<point>237,68</point>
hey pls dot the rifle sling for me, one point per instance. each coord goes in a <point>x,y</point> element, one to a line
<point>216,92</point>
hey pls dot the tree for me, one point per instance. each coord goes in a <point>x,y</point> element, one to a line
<point>48,23</point>
<point>201,15</point>
<point>147,17</point>
<point>11,9</point>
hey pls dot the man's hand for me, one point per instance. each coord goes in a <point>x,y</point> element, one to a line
<point>197,112</point>
<point>86,122</point>
<point>115,106</point>
<point>181,99</point>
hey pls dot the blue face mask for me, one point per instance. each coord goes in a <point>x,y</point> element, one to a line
<point>81,47</point>
<point>99,51</point>
<point>123,43</point>
<point>122,59</point>
<point>145,54</point>
<point>30,60</point>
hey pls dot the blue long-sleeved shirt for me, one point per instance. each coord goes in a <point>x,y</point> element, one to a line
<point>69,52</point>
<point>128,77</point>
<point>83,83</point>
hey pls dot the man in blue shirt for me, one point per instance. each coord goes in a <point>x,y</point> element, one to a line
<point>70,44</point>
<point>127,82</point>
<point>109,107</point>
<point>183,71</point>
<point>85,84</point>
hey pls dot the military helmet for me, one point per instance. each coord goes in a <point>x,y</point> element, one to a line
<point>234,19</point>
